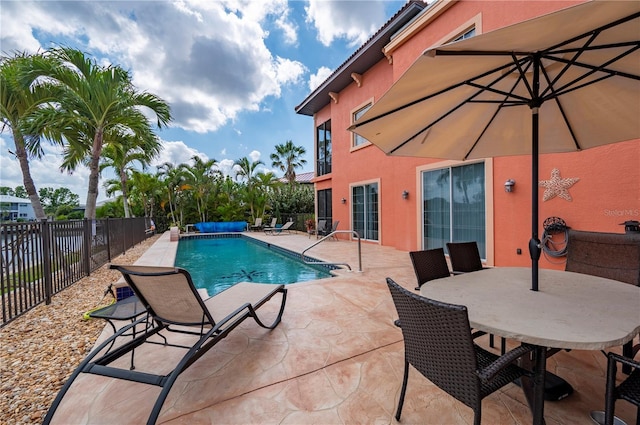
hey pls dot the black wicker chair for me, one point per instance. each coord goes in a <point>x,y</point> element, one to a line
<point>429,264</point>
<point>464,257</point>
<point>439,344</point>
<point>628,390</point>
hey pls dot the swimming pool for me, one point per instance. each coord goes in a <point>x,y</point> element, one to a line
<point>217,262</point>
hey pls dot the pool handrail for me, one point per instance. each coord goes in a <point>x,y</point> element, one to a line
<point>330,235</point>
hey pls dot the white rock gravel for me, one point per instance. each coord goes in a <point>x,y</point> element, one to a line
<point>40,349</point>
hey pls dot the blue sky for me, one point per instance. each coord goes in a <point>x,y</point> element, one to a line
<point>232,71</point>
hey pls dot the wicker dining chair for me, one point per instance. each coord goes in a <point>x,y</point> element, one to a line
<point>438,342</point>
<point>464,257</point>
<point>628,390</point>
<point>429,264</point>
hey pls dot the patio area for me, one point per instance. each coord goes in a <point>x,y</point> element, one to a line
<point>336,358</point>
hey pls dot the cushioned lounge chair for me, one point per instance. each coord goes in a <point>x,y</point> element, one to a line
<point>173,306</point>
<point>438,342</point>
<point>279,230</point>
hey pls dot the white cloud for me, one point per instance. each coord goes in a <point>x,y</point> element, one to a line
<point>226,167</point>
<point>177,152</point>
<point>319,77</point>
<point>208,60</point>
<point>354,21</point>
<point>255,156</point>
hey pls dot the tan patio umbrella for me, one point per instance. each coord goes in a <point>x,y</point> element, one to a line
<point>566,81</point>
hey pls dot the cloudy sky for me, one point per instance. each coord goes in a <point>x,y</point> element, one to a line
<point>231,70</point>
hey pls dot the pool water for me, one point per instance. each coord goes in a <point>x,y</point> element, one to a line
<point>218,263</point>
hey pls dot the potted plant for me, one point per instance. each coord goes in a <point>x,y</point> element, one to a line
<point>310,225</point>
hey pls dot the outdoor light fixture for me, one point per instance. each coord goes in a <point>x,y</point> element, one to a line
<point>343,200</point>
<point>508,185</point>
<point>405,194</point>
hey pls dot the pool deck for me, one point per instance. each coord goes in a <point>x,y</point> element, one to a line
<point>336,358</point>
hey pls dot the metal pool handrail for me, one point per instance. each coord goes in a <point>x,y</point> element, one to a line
<point>352,232</point>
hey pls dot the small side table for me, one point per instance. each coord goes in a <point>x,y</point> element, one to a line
<point>129,308</point>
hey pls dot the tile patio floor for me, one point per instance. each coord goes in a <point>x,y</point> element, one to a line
<point>336,358</point>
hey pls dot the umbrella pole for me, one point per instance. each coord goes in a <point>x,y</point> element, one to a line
<point>534,243</point>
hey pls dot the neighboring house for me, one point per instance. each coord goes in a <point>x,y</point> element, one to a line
<point>12,209</point>
<point>302,178</point>
<point>384,198</point>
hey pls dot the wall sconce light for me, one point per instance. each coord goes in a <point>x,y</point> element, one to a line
<point>508,185</point>
<point>405,194</point>
<point>343,200</point>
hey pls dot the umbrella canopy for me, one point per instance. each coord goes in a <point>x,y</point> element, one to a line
<point>566,81</point>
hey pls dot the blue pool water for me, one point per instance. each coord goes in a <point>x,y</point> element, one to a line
<point>219,262</point>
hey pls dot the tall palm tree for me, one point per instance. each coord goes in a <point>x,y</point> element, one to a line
<point>120,156</point>
<point>96,101</point>
<point>146,188</point>
<point>174,179</point>
<point>287,158</point>
<point>200,178</point>
<point>19,98</point>
<point>246,170</point>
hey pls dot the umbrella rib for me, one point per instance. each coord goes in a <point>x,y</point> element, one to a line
<point>568,64</point>
<point>559,104</point>
<point>467,100</point>
<point>430,96</point>
<point>592,70</point>
<point>499,108</point>
<point>599,29</point>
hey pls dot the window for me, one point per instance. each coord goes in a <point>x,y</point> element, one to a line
<point>467,34</point>
<point>323,137</point>
<point>358,140</point>
<point>453,202</point>
<point>325,211</point>
<point>364,203</point>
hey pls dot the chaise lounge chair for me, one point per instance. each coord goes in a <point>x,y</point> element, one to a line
<point>257,225</point>
<point>173,306</point>
<point>278,230</point>
<point>271,225</point>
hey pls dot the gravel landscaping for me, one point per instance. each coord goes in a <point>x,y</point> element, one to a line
<point>40,349</point>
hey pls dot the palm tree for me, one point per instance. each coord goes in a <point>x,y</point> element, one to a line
<point>200,178</point>
<point>146,188</point>
<point>174,179</point>
<point>18,100</point>
<point>287,158</point>
<point>120,157</point>
<point>246,170</point>
<point>97,101</point>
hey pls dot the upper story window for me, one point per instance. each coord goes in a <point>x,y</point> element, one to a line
<point>467,34</point>
<point>323,153</point>
<point>358,140</point>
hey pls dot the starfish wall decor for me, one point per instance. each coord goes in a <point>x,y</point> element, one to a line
<point>557,186</point>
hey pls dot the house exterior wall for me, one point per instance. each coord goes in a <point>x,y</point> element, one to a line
<point>13,208</point>
<point>607,194</point>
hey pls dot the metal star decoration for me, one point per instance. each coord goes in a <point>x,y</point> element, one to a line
<point>557,186</point>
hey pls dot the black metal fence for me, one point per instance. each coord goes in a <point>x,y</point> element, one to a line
<point>40,259</point>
